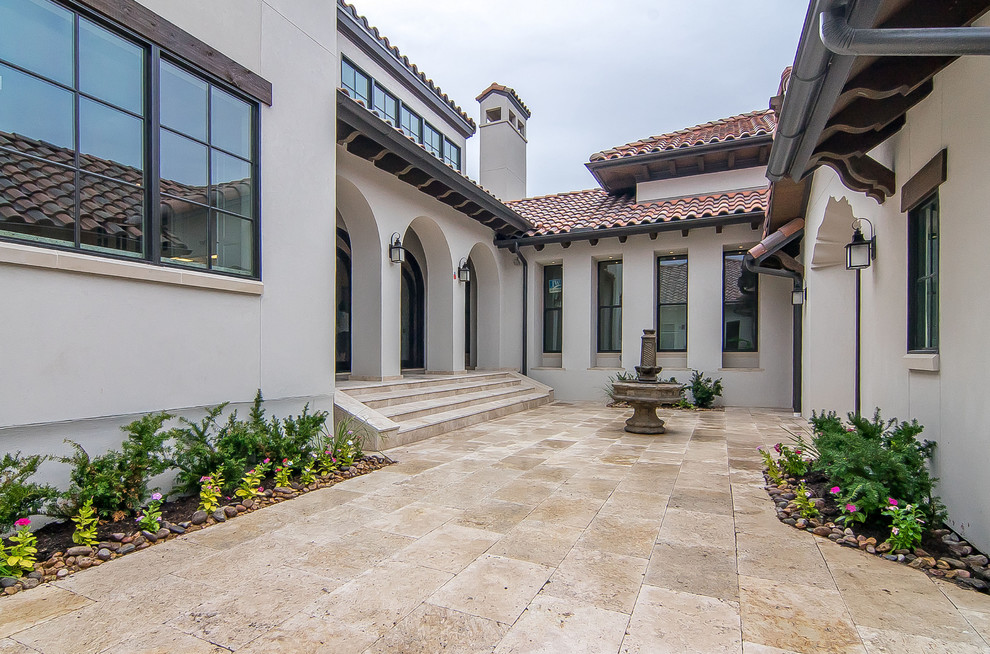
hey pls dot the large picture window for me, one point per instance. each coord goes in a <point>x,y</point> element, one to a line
<point>672,298</point>
<point>78,140</point>
<point>553,302</point>
<point>740,305</point>
<point>610,306</point>
<point>923,276</point>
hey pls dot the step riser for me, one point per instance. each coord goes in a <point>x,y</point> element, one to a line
<point>357,391</point>
<point>426,394</point>
<point>440,408</point>
<point>428,431</point>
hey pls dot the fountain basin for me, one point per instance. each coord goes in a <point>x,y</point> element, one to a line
<point>645,398</point>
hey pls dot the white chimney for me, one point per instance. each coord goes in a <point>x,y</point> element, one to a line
<point>503,142</point>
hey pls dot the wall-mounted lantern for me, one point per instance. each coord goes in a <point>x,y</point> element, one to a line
<point>396,253</point>
<point>860,252</point>
<point>463,271</point>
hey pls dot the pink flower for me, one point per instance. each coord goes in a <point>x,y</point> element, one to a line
<point>891,501</point>
<point>797,451</point>
<point>895,530</point>
<point>267,460</point>
<point>851,508</point>
<point>206,478</point>
<point>156,496</point>
<point>261,489</point>
<point>777,448</point>
<point>835,490</point>
<point>23,522</point>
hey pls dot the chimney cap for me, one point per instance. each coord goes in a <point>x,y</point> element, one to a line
<point>508,92</point>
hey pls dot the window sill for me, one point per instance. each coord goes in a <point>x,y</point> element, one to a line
<point>17,254</point>
<point>926,361</point>
<point>742,370</point>
<point>546,368</point>
<point>604,368</point>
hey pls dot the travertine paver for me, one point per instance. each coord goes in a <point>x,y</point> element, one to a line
<point>546,531</point>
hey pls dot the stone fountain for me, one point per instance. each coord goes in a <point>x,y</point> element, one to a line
<point>646,394</point>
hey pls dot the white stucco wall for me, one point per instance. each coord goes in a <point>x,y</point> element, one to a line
<point>950,401</point>
<point>94,350</point>
<point>373,201</point>
<point>580,378</point>
<point>676,187</point>
<point>502,160</point>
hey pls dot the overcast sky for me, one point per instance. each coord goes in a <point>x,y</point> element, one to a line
<point>596,74</point>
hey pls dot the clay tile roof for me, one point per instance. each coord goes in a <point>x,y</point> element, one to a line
<point>493,87</point>
<point>755,123</point>
<point>413,68</point>
<point>596,209</point>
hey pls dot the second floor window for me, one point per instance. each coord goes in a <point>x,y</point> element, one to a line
<point>923,276</point>
<point>609,306</point>
<point>411,124</point>
<point>740,305</point>
<point>553,302</point>
<point>387,106</point>
<point>433,141</point>
<point>357,83</point>
<point>672,281</point>
<point>451,154</point>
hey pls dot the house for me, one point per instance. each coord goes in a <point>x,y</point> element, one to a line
<point>883,132</point>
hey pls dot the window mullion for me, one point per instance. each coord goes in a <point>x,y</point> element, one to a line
<point>76,162</point>
<point>153,248</point>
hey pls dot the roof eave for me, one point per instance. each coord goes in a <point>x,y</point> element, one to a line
<point>754,218</point>
<point>389,138</point>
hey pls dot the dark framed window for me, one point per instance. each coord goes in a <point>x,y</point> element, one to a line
<point>353,79</point>
<point>451,154</point>
<point>109,147</point>
<point>433,141</point>
<point>923,276</point>
<point>553,303</point>
<point>387,106</point>
<point>411,123</point>
<point>672,286</point>
<point>740,305</point>
<point>610,306</point>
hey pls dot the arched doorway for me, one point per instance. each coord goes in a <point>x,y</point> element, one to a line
<point>470,319</point>
<point>482,321</point>
<point>412,315</point>
<point>343,299</point>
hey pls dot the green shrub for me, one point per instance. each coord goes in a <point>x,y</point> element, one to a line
<point>704,390</point>
<point>873,460</point>
<point>118,481</point>
<point>18,496</point>
<point>208,448</point>
<point>294,438</point>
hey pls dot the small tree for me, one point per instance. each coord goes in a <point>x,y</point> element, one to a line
<point>704,390</point>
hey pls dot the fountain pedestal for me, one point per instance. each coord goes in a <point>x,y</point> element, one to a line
<point>646,394</point>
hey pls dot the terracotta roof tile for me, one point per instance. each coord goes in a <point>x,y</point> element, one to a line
<point>508,91</point>
<point>413,68</point>
<point>596,209</point>
<point>755,123</point>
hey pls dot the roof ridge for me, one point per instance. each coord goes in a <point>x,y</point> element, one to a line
<point>557,195</point>
<point>404,60</point>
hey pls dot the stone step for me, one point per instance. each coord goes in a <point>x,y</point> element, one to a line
<point>410,410</point>
<point>459,387</point>
<point>360,389</point>
<point>423,427</point>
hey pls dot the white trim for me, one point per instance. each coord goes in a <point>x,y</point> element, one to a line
<point>926,361</point>
<point>17,254</point>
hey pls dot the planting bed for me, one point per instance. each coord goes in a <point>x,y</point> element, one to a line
<point>59,557</point>
<point>942,553</point>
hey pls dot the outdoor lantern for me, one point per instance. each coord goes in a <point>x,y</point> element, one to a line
<point>860,252</point>
<point>797,297</point>
<point>463,272</point>
<point>396,253</point>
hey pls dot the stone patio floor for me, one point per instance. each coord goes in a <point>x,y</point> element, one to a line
<point>546,531</point>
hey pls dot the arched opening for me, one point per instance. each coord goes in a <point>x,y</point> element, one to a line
<point>412,315</point>
<point>483,317</point>
<point>343,299</point>
<point>427,245</point>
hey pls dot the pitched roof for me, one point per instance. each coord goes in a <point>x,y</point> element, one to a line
<point>754,123</point>
<point>596,209</point>
<point>413,68</point>
<point>495,87</point>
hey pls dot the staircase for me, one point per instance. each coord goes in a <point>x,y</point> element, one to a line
<point>421,406</point>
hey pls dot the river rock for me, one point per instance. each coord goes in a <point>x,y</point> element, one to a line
<point>199,517</point>
<point>923,563</point>
<point>177,529</point>
<point>821,531</point>
<point>148,535</point>
<point>248,503</point>
<point>977,560</point>
<point>219,515</point>
<point>84,562</point>
<point>80,550</point>
<point>7,582</point>
<point>229,511</point>
<point>954,563</point>
<point>29,582</point>
<point>978,584</point>
<point>117,537</point>
<point>127,548</point>
<point>12,590</point>
<point>883,548</point>
<point>104,554</point>
<point>163,533</point>
<point>62,573</point>
<point>961,549</point>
